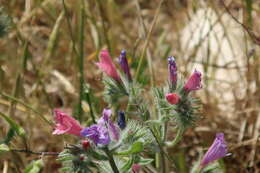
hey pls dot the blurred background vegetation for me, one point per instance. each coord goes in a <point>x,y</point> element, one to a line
<point>48,49</point>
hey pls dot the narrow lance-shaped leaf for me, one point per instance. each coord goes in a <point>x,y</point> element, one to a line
<point>34,166</point>
<point>3,148</point>
<point>18,129</point>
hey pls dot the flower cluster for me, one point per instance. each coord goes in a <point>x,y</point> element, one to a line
<point>193,83</point>
<point>125,139</point>
<point>100,133</point>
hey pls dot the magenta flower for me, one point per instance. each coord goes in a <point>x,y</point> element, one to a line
<point>107,66</point>
<point>103,131</point>
<point>216,151</point>
<point>124,64</point>
<point>66,124</point>
<point>172,68</point>
<point>194,82</point>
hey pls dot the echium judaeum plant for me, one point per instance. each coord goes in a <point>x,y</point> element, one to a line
<point>136,138</point>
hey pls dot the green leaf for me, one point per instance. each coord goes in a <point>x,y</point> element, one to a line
<point>98,155</point>
<point>127,166</point>
<point>9,136</point>
<point>144,161</point>
<point>34,166</point>
<point>18,129</point>
<point>3,148</point>
<point>135,148</point>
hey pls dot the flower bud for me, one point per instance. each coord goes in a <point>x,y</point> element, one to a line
<point>136,168</point>
<point>194,82</point>
<point>82,157</point>
<point>106,65</point>
<point>85,144</point>
<point>124,64</point>
<point>172,68</point>
<point>172,98</point>
<point>121,120</point>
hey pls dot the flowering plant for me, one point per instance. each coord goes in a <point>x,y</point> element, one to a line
<point>133,138</point>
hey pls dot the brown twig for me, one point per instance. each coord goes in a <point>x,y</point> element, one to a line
<point>35,152</point>
<point>256,39</point>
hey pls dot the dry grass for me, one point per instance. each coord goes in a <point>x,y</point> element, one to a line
<point>40,59</point>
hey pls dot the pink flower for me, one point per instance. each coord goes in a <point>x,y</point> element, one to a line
<point>66,124</point>
<point>107,66</point>
<point>194,82</point>
<point>136,168</point>
<point>172,98</point>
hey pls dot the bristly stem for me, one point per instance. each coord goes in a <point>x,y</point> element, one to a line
<point>177,138</point>
<point>111,160</point>
<point>88,99</point>
<point>81,60</point>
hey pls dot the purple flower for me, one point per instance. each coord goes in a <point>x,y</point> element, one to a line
<point>194,82</point>
<point>124,64</point>
<point>216,151</point>
<point>172,68</point>
<point>97,133</point>
<point>103,131</point>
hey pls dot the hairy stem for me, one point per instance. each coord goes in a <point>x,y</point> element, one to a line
<point>111,160</point>
<point>176,139</point>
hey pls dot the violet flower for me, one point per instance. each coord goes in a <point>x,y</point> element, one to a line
<point>194,82</point>
<point>97,133</point>
<point>216,151</point>
<point>172,68</point>
<point>103,131</point>
<point>124,64</point>
<point>106,65</point>
<point>66,124</point>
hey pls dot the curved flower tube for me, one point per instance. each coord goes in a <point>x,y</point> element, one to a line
<point>194,82</point>
<point>216,151</point>
<point>66,124</point>
<point>106,65</point>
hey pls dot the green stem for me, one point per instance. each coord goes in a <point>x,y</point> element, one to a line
<point>111,160</point>
<point>90,108</point>
<point>105,29</point>
<point>176,139</point>
<point>81,60</point>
